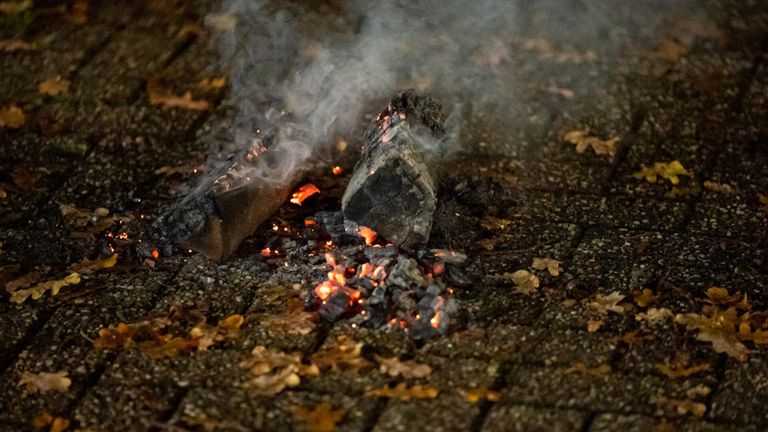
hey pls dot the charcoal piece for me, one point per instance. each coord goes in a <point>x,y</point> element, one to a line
<point>229,204</point>
<point>393,189</point>
<point>335,306</point>
<point>406,274</point>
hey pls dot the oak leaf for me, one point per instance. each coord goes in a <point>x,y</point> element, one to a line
<point>117,338</point>
<point>407,369</point>
<point>342,353</point>
<point>667,170</point>
<point>403,392</point>
<point>41,288</point>
<point>582,140</point>
<point>293,320</point>
<point>12,117</point>
<point>525,282</point>
<point>554,267</point>
<point>602,304</point>
<point>492,223</point>
<point>718,187</point>
<point>57,424</point>
<point>655,315</point>
<point>53,86</point>
<point>674,373</point>
<point>322,418</point>
<point>681,407</point>
<point>44,382</point>
<point>87,266</point>
<point>274,370</point>
<point>645,298</point>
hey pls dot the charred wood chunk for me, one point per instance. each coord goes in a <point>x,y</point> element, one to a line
<point>393,189</point>
<point>229,205</point>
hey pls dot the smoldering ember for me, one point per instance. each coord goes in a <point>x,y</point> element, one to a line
<point>428,215</point>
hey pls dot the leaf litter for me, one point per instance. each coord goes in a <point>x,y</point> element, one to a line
<point>667,170</point>
<point>43,382</point>
<point>321,418</point>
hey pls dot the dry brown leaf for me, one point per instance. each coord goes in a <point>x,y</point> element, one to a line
<point>216,83</point>
<point>159,96</point>
<point>718,329</point>
<point>293,320</point>
<point>476,394</point>
<point>493,223</point>
<point>403,392</point>
<point>14,45</point>
<point>632,338</point>
<point>645,298</point>
<point>407,369</point>
<point>667,170</point>
<point>655,315</point>
<point>681,407</point>
<point>204,335</point>
<point>57,424</point>
<point>582,140</point>
<point>53,86</point>
<point>674,373</point>
<point>322,418</point>
<point>14,7</point>
<point>580,368</point>
<point>12,117</point>
<point>764,202</point>
<point>44,382</point>
<point>608,303</point>
<point>341,354</point>
<point>525,282</point>
<point>117,338</point>
<point>554,267</point>
<point>721,296</point>
<point>594,325</point>
<point>718,187</point>
<point>38,290</point>
<point>26,280</point>
<point>274,370</point>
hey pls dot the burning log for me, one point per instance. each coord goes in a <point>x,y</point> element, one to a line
<point>215,218</point>
<point>393,189</point>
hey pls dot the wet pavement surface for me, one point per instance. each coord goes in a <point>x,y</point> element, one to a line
<point>561,357</point>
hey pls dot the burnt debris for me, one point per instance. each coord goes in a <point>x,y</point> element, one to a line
<point>228,207</point>
<point>393,189</point>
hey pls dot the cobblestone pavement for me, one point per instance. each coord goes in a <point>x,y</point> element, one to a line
<point>690,85</point>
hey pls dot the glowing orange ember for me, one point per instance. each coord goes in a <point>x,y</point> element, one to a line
<point>435,321</point>
<point>309,222</point>
<point>336,170</point>
<point>266,252</point>
<point>325,289</point>
<point>368,234</point>
<point>155,254</point>
<point>303,193</point>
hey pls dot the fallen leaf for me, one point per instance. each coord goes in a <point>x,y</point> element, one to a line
<point>26,280</point>
<point>583,141</point>
<point>664,425</point>
<point>525,282</point>
<point>87,266</point>
<point>204,335</point>
<point>764,201</point>
<point>12,117</point>
<point>493,223</point>
<point>53,86</point>
<point>718,187</point>
<point>407,369</point>
<point>14,7</point>
<point>720,296</point>
<point>341,353</point>
<point>274,370</point>
<point>322,418</point>
<point>113,339</point>
<point>476,394</point>
<point>632,338</point>
<point>159,96</point>
<point>554,267</point>
<point>57,424</point>
<point>44,382</point>
<point>594,325</point>
<point>580,368</point>
<point>674,373</point>
<point>668,170</point>
<point>13,45</point>
<point>293,320</point>
<point>719,329</point>
<point>645,298</point>
<point>655,315</point>
<point>403,392</point>
<point>681,407</point>
<point>216,83</point>
<point>608,303</point>
<point>38,290</point>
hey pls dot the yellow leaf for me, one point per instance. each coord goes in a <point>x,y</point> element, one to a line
<point>583,141</point>
<point>12,117</point>
<point>322,418</point>
<point>602,304</point>
<point>54,86</point>
<point>403,392</point>
<point>718,187</point>
<point>87,266</point>
<point>38,290</point>
<point>525,282</point>
<point>476,394</point>
<point>110,339</point>
<point>668,170</point>
<point>44,382</point>
<point>645,298</point>
<point>212,83</point>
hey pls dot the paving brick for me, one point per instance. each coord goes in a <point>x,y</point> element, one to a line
<point>739,397</point>
<point>520,418</point>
